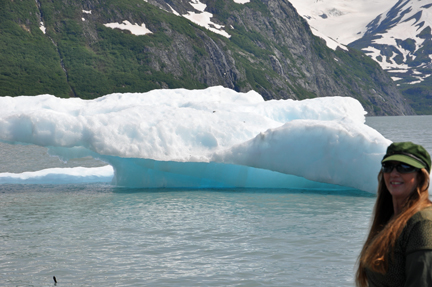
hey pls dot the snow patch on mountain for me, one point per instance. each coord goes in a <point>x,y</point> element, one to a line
<point>42,27</point>
<point>133,28</point>
<point>204,18</point>
<point>198,5</point>
<point>173,11</point>
<point>341,21</point>
<point>396,34</point>
<point>400,36</point>
<point>329,41</point>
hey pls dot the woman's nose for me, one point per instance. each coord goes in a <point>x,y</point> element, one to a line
<point>394,171</point>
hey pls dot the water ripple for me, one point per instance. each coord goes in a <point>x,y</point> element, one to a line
<point>97,236</point>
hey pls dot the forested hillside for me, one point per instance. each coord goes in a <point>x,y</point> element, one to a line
<point>65,48</point>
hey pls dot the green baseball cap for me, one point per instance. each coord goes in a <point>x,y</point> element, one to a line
<point>409,153</point>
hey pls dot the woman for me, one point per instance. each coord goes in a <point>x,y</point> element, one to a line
<point>398,249</point>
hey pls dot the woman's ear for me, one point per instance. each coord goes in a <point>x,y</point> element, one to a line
<point>423,179</point>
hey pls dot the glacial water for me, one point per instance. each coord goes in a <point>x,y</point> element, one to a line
<point>99,235</point>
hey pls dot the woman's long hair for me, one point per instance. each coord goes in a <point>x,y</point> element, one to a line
<point>386,229</point>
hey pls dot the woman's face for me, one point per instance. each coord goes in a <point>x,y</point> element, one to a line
<point>400,185</point>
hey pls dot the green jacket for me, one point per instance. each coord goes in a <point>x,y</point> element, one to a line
<point>412,261</point>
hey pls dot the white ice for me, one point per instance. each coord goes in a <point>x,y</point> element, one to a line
<point>212,138</point>
<point>74,175</point>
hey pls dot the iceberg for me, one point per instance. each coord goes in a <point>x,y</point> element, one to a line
<point>74,175</point>
<point>211,138</point>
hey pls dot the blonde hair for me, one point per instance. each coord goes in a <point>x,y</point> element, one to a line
<point>386,228</point>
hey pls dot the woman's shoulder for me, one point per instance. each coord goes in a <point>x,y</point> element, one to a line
<point>418,232</point>
<point>423,215</point>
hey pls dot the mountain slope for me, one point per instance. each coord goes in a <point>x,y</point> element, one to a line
<point>396,34</point>
<point>400,40</point>
<point>90,48</point>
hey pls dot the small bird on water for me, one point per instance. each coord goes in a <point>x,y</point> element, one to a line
<point>55,280</point>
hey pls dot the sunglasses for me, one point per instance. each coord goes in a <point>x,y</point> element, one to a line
<point>387,167</point>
